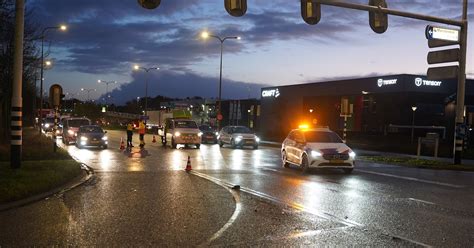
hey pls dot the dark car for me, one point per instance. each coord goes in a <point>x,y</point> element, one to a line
<point>209,135</point>
<point>91,135</point>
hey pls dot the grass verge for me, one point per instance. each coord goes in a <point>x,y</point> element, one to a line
<point>35,177</point>
<point>416,163</point>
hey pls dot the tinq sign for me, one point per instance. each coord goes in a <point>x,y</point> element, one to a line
<point>382,82</point>
<point>419,82</point>
<point>271,93</point>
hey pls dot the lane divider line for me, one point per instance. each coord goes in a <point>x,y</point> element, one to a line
<point>412,179</point>
<point>237,210</point>
<point>422,201</point>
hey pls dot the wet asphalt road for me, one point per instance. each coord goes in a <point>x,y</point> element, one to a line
<point>145,199</point>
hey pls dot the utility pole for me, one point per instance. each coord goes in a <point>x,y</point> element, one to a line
<point>17,100</point>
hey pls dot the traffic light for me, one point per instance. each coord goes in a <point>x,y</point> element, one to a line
<point>378,21</point>
<point>55,95</point>
<point>236,8</point>
<point>311,11</point>
<point>149,4</point>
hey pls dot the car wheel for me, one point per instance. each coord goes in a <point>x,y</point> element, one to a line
<point>284,160</point>
<point>104,146</point>
<point>232,143</point>
<point>348,170</point>
<point>304,164</point>
<point>255,147</point>
<point>221,144</point>
<point>198,146</point>
<point>173,145</point>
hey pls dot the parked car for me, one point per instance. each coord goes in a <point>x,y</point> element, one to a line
<point>209,135</point>
<point>238,136</point>
<point>91,135</point>
<point>316,148</point>
<point>181,132</point>
<point>71,127</point>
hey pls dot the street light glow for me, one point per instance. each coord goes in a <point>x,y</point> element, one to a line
<point>136,67</point>
<point>48,63</point>
<point>238,37</point>
<point>205,35</point>
<point>63,27</point>
<point>414,108</point>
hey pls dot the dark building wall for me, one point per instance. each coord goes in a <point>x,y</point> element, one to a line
<point>376,105</point>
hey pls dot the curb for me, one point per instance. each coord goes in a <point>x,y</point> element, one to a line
<point>87,175</point>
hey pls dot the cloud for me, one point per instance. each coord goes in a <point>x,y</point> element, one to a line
<point>181,85</point>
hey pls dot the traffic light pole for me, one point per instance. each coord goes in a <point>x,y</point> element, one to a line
<point>17,100</point>
<point>458,137</point>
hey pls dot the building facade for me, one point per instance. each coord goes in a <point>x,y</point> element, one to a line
<point>374,105</point>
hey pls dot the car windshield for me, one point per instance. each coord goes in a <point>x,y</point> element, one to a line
<point>91,129</point>
<point>78,122</point>
<point>205,128</point>
<point>185,124</point>
<point>241,130</point>
<point>322,137</point>
<point>49,120</point>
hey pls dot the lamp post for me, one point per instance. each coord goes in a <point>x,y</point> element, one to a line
<point>43,35</point>
<point>106,89</point>
<point>137,67</point>
<point>88,93</point>
<point>206,35</point>
<point>248,117</point>
<point>413,108</point>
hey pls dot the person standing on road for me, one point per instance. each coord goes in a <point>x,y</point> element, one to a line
<point>141,132</point>
<point>129,134</point>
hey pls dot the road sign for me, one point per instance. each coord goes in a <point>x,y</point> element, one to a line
<point>441,43</point>
<point>439,33</point>
<point>220,117</point>
<point>443,56</point>
<point>445,72</point>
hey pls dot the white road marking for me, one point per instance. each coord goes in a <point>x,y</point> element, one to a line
<point>412,179</point>
<point>422,201</point>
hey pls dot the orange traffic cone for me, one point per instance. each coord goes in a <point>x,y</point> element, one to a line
<point>122,144</point>
<point>188,165</point>
<point>154,139</point>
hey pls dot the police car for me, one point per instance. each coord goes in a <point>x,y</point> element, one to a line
<point>316,148</point>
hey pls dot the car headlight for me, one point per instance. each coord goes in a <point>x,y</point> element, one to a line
<point>316,154</point>
<point>70,132</point>
<point>83,138</point>
<point>177,134</point>
<point>352,154</point>
<point>46,125</point>
<point>104,138</point>
<point>217,133</point>
<point>58,132</point>
<point>257,139</point>
<point>200,134</point>
<point>238,138</point>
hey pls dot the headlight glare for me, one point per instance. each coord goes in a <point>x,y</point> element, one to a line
<point>177,134</point>
<point>352,154</point>
<point>104,138</point>
<point>257,139</point>
<point>70,132</point>
<point>200,134</point>
<point>315,154</point>
<point>83,138</point>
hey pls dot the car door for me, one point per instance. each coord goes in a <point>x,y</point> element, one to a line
<point>299,147</point>
<point>289,147</point>
<point>169,131</point>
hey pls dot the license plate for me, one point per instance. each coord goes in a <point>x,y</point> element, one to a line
<point>336,161</point>
<point>209,136</point>
<point>94,142</point>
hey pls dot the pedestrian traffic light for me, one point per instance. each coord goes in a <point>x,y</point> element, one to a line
<point>311,11</point>
<point>149,4</point>
<point>378,21</point>
<point>236,8</point>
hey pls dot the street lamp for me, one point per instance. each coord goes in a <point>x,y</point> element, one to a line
<point>106,89</point>
<point>413,108</point>
<point>88,93</point>
<point>206,35</point>
<point>137,67</point>
<point>43,35</point>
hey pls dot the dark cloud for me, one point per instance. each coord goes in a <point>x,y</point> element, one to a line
<point>181,85</point>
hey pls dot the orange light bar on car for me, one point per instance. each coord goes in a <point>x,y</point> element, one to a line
<point>303,126</point>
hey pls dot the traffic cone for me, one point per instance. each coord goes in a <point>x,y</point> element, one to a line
<point>188,165</point>
<point>122,144</point>
<point>154,139</point>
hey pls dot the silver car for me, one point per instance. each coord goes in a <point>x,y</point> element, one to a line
<point>238,136</point>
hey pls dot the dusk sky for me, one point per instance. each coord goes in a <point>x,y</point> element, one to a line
<point>107,37</point>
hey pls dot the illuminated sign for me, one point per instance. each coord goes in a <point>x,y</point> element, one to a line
<point>381,82</point>
<point>439,33</point>
<point>271,93</point>
<point>420,82</point>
